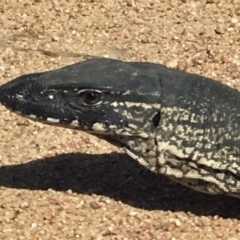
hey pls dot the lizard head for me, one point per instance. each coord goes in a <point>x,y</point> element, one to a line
<point>101,96</point>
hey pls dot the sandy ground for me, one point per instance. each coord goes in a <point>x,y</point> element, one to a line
<point>63,184</point>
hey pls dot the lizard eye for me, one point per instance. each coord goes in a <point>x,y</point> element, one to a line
<point>91,97</point>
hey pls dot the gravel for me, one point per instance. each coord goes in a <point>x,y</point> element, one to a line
<point>64,184</point>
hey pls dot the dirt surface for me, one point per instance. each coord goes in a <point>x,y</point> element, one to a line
<point>63,184</point>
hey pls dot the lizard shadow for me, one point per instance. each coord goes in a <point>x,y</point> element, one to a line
<point>118,177</point>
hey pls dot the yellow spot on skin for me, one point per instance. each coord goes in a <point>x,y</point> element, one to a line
<point>136,104</point>
<point>53,120</point>
<point>75,123</point>
<point>114,104</point>
<point>99,127</point>
<point>189,150</point>
<point>133,126</point>
<point>128,92</point>
<point>127,114</point>
<point>32,116</point>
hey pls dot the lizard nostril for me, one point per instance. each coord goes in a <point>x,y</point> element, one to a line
<point>20,95</point>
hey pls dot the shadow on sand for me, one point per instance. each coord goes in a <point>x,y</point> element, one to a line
<point>118,177</point>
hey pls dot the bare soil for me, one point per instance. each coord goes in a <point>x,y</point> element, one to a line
<point>64,184</point>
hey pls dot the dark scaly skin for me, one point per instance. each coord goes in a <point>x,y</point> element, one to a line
<point>181,125</point>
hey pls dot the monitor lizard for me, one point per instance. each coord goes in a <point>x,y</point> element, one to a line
<point>181,125</point>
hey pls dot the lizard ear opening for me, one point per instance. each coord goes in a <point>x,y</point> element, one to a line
<point>156,119</point>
